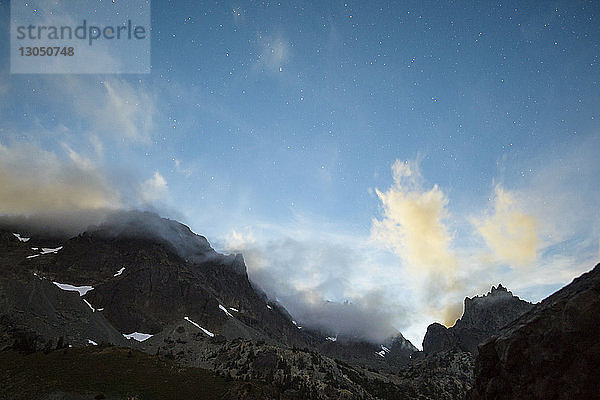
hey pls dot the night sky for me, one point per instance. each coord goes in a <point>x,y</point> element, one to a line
<point>395,156</point>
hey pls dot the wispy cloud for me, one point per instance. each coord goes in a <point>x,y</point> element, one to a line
<point>113,109</point>
<point>275,52</point>
<point>127,111</point>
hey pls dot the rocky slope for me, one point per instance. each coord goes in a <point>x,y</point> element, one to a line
<point>482,317</point>
<point>550,352</point>
<point>36,314</point>
<point>308,373</point>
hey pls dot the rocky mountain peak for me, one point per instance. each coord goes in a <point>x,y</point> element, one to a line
<point>150,226</point>
<point>482,316</point>
<point>499,289</point>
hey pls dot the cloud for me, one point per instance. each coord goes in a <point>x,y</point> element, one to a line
<point>84,164</point>
<point>129,111</point>
<point>274,53</point>
<point>413,220</point>
<point>509,232</point>
<point>413,226</point>
<point>154,189</point>
<point>323,280</point>
<point>66,192</point>
<point>179,168</point>
<point>114,108</point>
<point>34,180</point>
<point>342,282</point>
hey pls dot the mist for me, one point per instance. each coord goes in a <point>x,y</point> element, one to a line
<point>319,282</point>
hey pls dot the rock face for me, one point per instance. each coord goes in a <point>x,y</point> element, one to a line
<point>35,314</point>
<point>551,352</point>
<point>482,317</point>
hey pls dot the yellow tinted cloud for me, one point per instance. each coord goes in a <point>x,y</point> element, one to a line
<point>509,232</point>
<point>413,227</point>
<point>36,181</point>
<point>412,224</point>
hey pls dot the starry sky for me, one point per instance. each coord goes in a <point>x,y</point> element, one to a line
<point>375,161</point>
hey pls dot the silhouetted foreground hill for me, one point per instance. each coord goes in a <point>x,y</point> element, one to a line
<point>550,352</point>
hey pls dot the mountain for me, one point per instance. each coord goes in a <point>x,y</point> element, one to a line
<point>142,280</point>
<point>147,278</point>
<point>550,352</point>
<point>482,317</point>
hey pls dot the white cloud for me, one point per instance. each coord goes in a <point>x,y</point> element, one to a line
<point>113,109</point>
<point>127,111</point>
<point>274,54</point>
<point>179,168</point>
<point>84,164</point>
<point>154,189</point>
<point>326,280</point>
<point>548,223</point>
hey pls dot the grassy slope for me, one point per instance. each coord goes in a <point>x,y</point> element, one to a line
<point>109,371</point>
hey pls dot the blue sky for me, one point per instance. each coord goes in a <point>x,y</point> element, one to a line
<point>297,132</point>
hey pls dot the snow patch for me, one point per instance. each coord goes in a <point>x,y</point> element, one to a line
<point>21,239</point>
<point>269,307</point>
<point>89,305</point>
<point>333,339</point>
<point>234,309</point>
<point>90,341</point>
<point>209,333</point>
<point>381,353</point>
<point>119,272</point>
<point>81,289</point>
<point>140,337</point>
<point>385,349</point>
<point>225,311</point>
<point>46,250</point>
